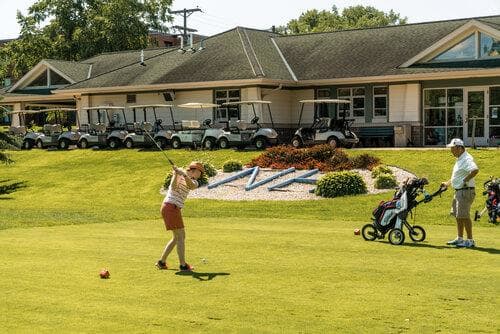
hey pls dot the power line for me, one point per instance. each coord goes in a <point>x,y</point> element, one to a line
<point>185,13</point>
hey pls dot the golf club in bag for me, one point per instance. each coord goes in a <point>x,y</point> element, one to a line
<point>391,216</point>
<point>492,207</point>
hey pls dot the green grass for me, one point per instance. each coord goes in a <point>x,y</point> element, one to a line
<point>273,267</point>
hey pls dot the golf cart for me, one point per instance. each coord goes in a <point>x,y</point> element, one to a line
<point>191,133</point>
<point>104,127</point>
<point>54,134</point>
<point>239,134</point>
<point>24,129</point>
<point>144,131</point>
<point>333,131</point>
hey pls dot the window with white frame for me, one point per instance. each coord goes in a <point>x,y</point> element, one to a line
<point>380,102</point>
<point>356,109</point>
<point>227,113</point>
<point>322,108</point>
<point>443,115</point>
<point>478,45</point>
<point>494,112</point>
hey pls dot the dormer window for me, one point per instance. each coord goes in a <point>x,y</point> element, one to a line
<point>475,46</point>
<point>490,47</point>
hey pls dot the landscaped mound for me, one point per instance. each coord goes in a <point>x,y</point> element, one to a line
<point>323,157</point>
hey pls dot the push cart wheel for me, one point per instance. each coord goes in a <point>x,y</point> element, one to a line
<point>417,233</point>
<point>369,232</point>
<point>476,216</point>
<point>396,236</point>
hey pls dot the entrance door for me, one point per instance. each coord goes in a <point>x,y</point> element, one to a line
<point>476,117</point>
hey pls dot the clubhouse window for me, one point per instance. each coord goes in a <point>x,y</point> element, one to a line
<point>356,109</point>
<point>380,102</point>
<point>443,115</point>
<point>322,109</point>
<point>229,112</point>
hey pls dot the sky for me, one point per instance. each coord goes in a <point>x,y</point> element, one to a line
<point>222,15</point>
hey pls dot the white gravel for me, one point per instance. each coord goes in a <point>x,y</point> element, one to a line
<point>235,190</point>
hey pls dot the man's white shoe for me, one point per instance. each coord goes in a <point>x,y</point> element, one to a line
<point>466,244</point>
<point>455,241</point>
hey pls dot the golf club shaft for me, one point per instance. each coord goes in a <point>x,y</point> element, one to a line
<point>157,145</point>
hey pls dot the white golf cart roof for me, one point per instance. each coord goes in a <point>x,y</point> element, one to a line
<point>194,105</point>
<point>246,102</point>
<point>152,106</point>
<point>325,101</point>
<point>58,109</point>
<point>103,107</point>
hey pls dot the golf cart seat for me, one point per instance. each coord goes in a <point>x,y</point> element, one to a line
<point>56,128</point>
<point>242,125</point>
<point>193,124</point>
<point>18,130</point>
<point>146,126</point>
<point>98,128</point>
<point>47,128</point>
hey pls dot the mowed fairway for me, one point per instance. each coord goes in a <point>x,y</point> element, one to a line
<point>261,267</point>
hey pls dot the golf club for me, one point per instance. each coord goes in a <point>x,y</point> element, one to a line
<point>162,151</point>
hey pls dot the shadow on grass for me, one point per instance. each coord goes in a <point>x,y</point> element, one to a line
<point>424,245</point>
<point>201,276</point>
<point>8,187</point>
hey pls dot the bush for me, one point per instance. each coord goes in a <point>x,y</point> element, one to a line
<point>385,181</point>
<point>365,161</point>
<point>210,170</point>
<point>168,178</point>
<point>381,170</point>
<point>232,166</point>
<point>340,184</point>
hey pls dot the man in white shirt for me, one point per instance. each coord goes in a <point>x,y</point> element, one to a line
<point>462,180</point>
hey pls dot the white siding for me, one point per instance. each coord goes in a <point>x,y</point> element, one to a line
<point>404,103</point>
<point>286,107</point>
<point>308,113</point>
<point>205,96</point>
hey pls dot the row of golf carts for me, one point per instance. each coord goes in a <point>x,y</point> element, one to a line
<point>107,126</point>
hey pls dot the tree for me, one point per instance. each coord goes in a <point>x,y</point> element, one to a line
<point>79,29</point>
<point>351,17</point>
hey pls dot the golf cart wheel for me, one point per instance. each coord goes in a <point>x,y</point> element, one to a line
<point>223,143</point>
<point>162,142</point>
<point>63,144</point>
<point>369,232</point>
<point>209,143</point>
<point>113,143</point>
<point>477,216</point>
<point>260,143</point>
<point>129,143</point>
<point>396,236</point>
<point>176,143</point>
<point>296,142</point>
<point>418,233</point>
<point>27,144</point>
<point>333,142</point>
<point>39,143</point>
<point>83,144</point>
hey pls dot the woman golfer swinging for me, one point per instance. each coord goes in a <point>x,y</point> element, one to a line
<point>180,185</point>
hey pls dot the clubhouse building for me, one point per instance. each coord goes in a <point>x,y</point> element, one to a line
<point>415,84</point>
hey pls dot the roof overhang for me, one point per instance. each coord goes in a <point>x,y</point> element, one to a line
<point>8,99</point>
<point>451,39</point>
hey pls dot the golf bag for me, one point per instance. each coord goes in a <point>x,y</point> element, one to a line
<point>492,193</point>
<point>390,216</point>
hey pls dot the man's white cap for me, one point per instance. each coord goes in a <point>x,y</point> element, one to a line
<point>456,142</point>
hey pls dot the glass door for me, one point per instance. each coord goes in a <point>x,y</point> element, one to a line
<point>476,120</point>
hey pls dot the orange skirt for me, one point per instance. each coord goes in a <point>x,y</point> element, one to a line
<point>171,216</point>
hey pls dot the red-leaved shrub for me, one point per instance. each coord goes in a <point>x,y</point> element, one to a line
<point>323,157</point>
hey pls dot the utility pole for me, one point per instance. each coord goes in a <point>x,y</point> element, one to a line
<point>186,13</point>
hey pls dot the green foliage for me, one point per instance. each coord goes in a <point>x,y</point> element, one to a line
<point>210,169</point>
<point>385,181</point>
<point>232,166</point>
<point>382,169</point>
<point>340,184</point>
<point>75,30</point>
<point>351,17</point>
